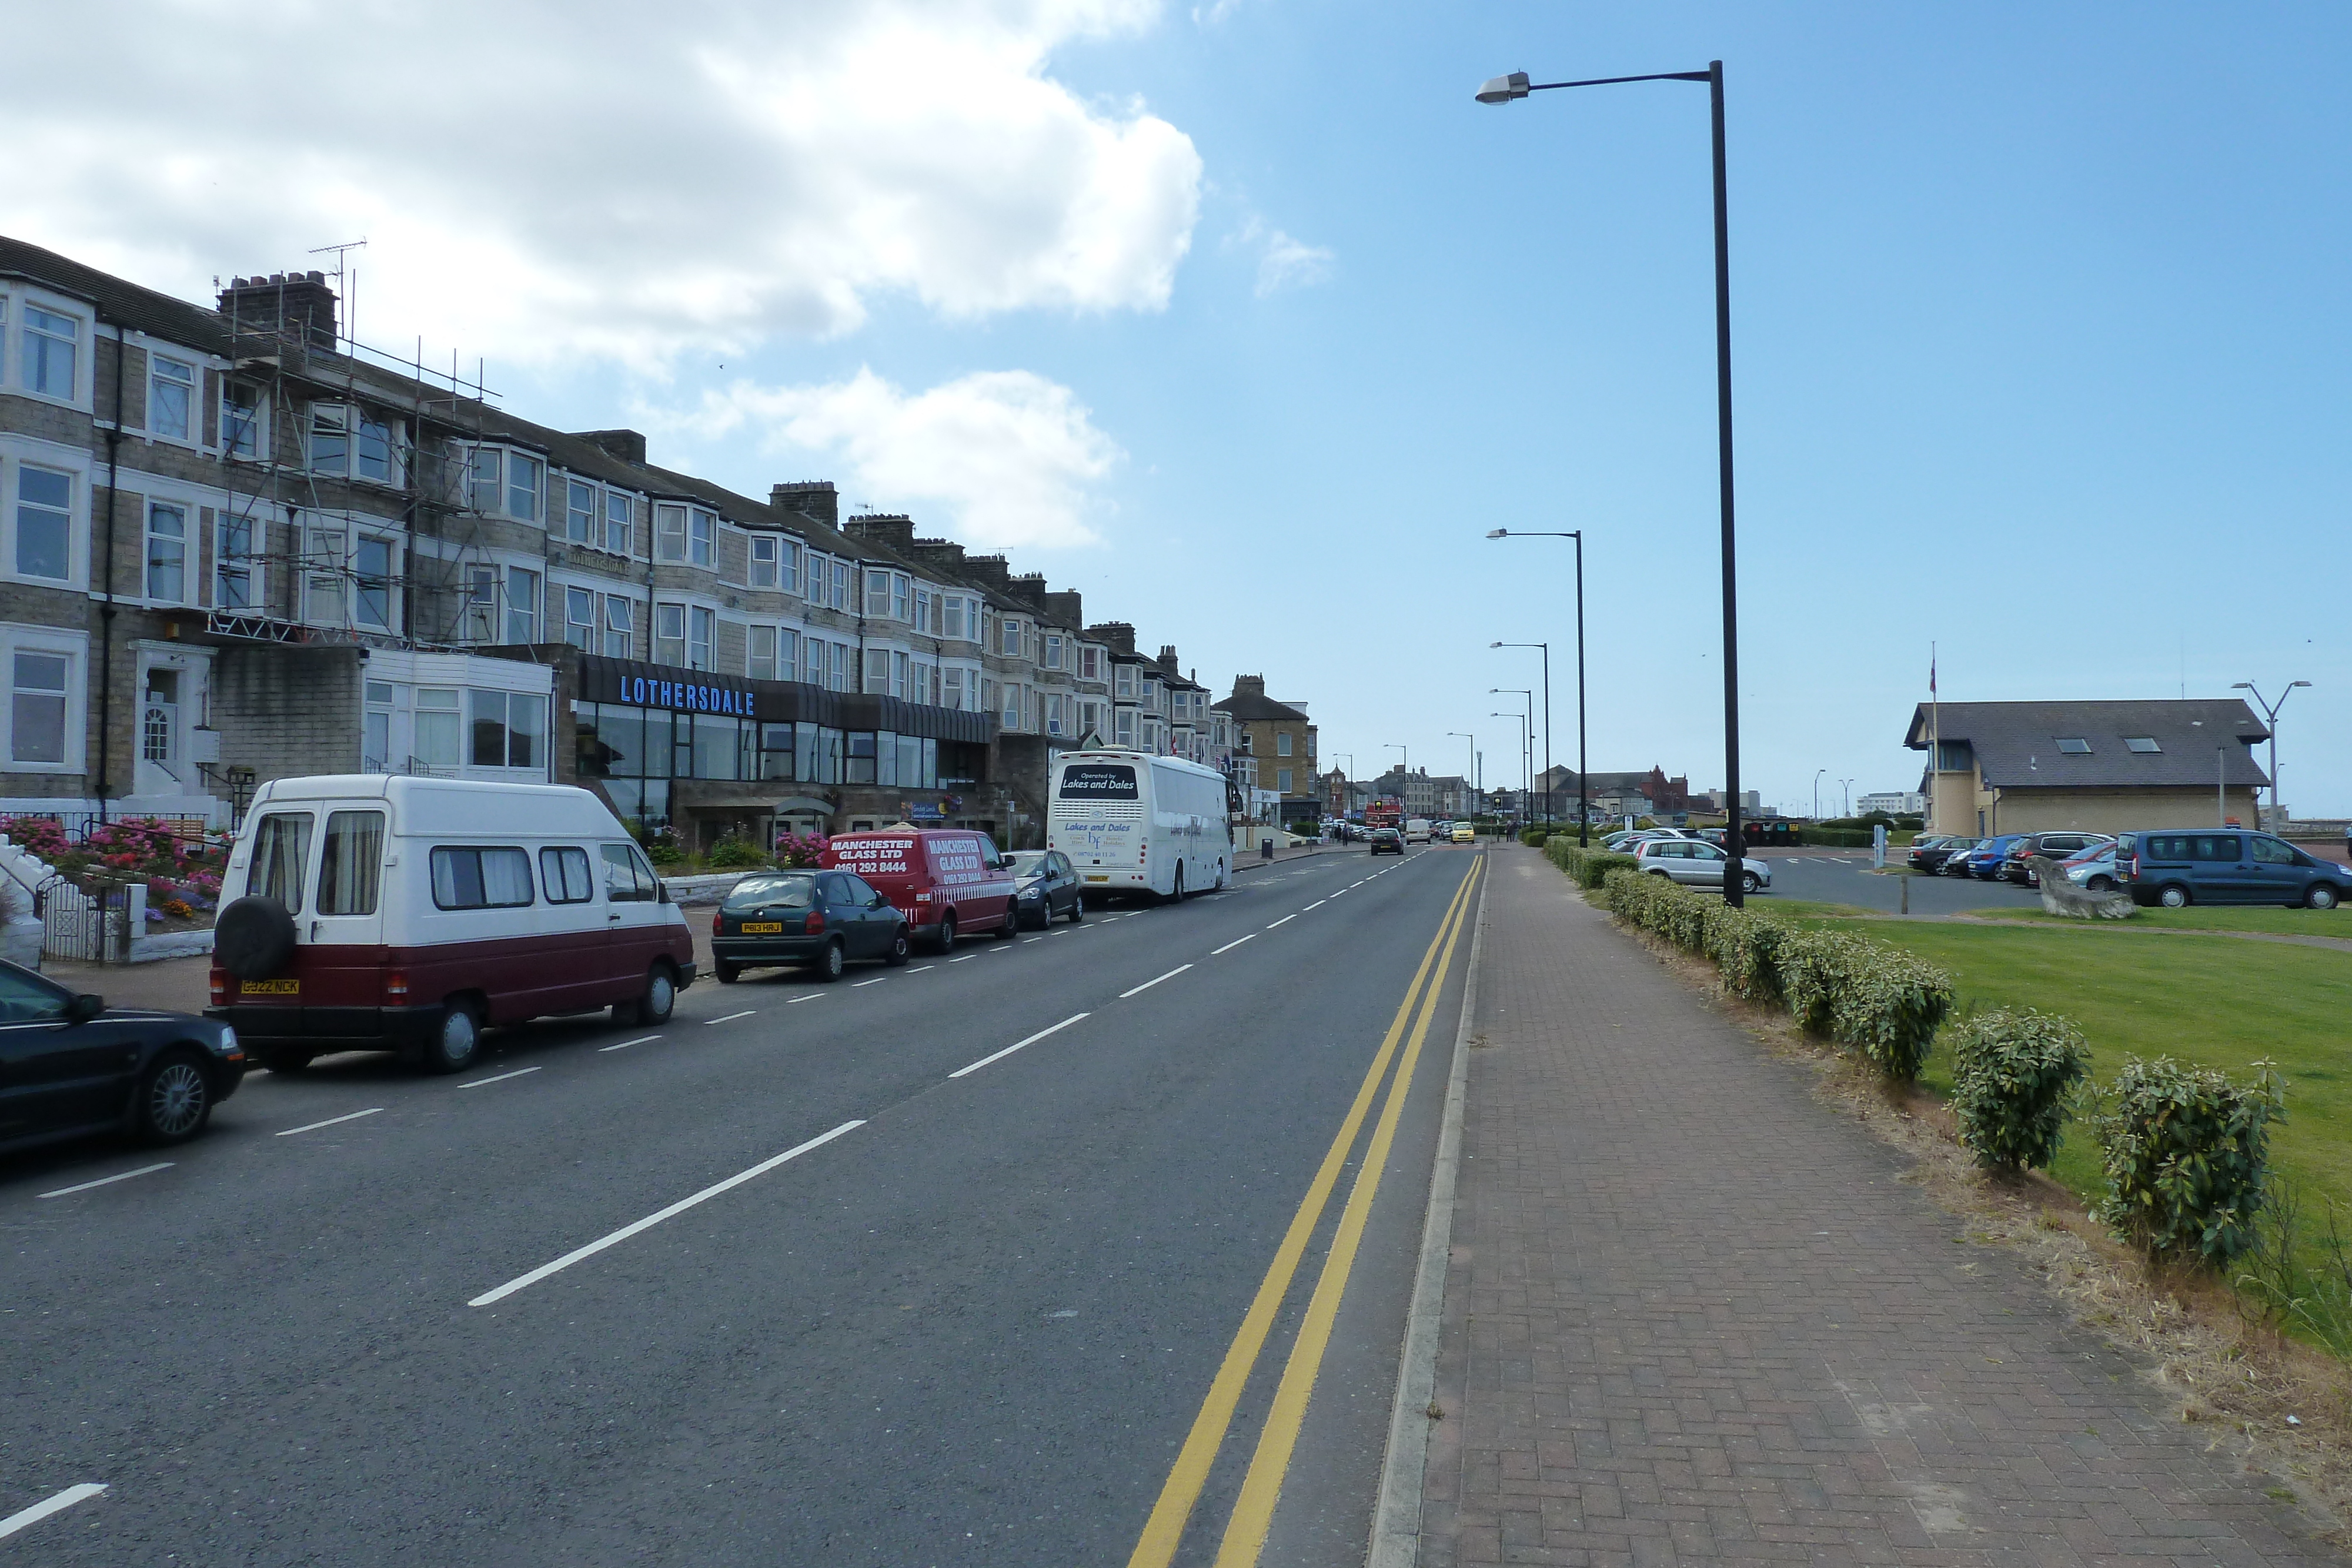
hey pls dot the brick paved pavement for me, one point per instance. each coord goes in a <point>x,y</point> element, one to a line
<point>1692,1316</point>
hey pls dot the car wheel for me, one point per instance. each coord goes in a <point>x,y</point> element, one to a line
<point>945,941</point>
<point>1750,882</point>
<point>2101,885</point>
<point>829,962</point>
<point>285,1062</point>
<point>457,1041</point>
<point>175,1099</point>
<point>2174,896</point>
<point>1078,907</point>
<point>727,973</point>
<point>2321,896</point>
<point>900,949</point>
<point>661,996</point>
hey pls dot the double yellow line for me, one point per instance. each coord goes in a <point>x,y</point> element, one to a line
<point>1262,1487</point>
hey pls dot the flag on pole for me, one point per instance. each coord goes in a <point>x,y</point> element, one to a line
<point>1931,671</point>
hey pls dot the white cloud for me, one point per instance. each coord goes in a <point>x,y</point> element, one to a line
<point>547,179</point>
<point>1282,261</point>
<point>1009,454</point>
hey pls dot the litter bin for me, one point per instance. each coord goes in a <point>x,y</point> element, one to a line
<point>1265,847</point>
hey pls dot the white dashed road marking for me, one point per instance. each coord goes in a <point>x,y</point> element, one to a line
<point>1155,980</point>
<point>331,1121</point>
<point>1231,946</point>
<point>48,1506</point>
<point>730,1017</point>
<point>641,1039</point>
<point>110,1181</point>
<point>498,1078</point>
<point>1017,1045</point>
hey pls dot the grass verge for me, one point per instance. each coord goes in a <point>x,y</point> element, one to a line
<point>2198,917</point>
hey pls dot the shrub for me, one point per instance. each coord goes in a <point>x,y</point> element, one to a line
<point>1884,1002</point>
<point>799,849</point>
<point>1589,867</point>
<point>1534,837</point>
<point>732,853</point>
<point>2185,1152</point>
<point>2014,1072</point>
<point>1744,945</point>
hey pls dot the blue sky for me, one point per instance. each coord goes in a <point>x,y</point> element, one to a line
<point>1246,322</point>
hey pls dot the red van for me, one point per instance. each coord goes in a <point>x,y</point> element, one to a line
<point>946,882</point>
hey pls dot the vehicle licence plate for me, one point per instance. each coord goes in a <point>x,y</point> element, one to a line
<point>762,927</point>
<point>270,987</point>
<point>1097,879</point>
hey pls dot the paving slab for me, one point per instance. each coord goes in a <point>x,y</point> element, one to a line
<point>1692,1315</point>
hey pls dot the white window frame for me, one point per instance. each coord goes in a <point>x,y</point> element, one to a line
<point>328,429</point>
<point>190,540</point>
<point>582,527</point>
<point>509,578</point>
<point>256,589</point>
<point>521,462</point>
<point>701,637</point>
<point>619,642</point>
<point>255,448</point>
<point>758,633</point>
<point>16,454</point>
<point>669,541</point>
<point>627,523</point>
<point>193,438</point>
<point>702,537</point>
<point>78,375</point>
<point>392,586</point>
<point>762,561</point>
<point>669,632</point>
<point>74,646</point>
<point>587,636</point>
<point>876,600</point>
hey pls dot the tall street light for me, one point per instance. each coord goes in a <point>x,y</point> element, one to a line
<point>1584,799</point>
<point>1467,784</point>
<point>1526,743</point>
<point>1547,691</point>
<point>1817,792</point>
<point>1846,787</point>
<point>1503,89</point>
<point>2270,717</point>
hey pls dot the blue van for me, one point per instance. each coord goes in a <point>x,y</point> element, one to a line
<point>2174,867</point>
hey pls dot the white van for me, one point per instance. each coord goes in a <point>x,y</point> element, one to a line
<point>1416,831</point>
<point>366,912</point>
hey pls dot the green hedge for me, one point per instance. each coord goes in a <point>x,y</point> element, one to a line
<point>1533,837</point>
<point>2014,1072</point>
<point>2187,1152</point>
<point>1589,867</point>
<point>1884,1002</point>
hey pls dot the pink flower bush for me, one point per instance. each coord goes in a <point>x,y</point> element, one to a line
<point>134,848</point>
<point>797,849</point>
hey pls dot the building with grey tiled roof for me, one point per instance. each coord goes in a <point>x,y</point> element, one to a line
<point>2107,767</point>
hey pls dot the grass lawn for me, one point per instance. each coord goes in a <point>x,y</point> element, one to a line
<point>2207,918</point>
<point>2212,1000</point>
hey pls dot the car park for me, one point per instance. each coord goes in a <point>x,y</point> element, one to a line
<point>2056,846</point>
<point>70,1066</point>
<point>374,912</point>
<point>946,882</point>
<point>1387,842</point>
<point>821,920</point>
<point>2173,867</point>
<point>1697,863</point>
<point>1045,888</point>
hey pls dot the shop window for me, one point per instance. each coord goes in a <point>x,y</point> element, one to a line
<point>859,757</point>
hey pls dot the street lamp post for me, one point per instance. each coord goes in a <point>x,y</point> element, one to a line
<point>2270,717</point>
<point>1466,777</point>
<point>1546,695</point>
<point>1583,797</point>
<point>1845,787</point>
<point>1817,792</point>
<point>1503,89</point>
<point>1527,742</point>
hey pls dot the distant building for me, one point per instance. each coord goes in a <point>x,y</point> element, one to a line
<point>1893,803</point>
<point>2107,767</point>
<point>1279,741</point>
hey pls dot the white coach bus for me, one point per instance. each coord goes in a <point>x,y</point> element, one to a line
<point>1128,820</point>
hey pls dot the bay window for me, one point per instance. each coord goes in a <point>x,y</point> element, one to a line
<point>617,627</point>
<point>701,632</point>
<point>44,523</point>
<point>167,553</point>
<point>39,684</point>
<point>579,619</point>
<point>522,605</point>
<point>51,345</point>
<point>580,512</point>
<point>330,438</point>
<point>762,568</point>
<point>170,398</point>
<point>702,540</point>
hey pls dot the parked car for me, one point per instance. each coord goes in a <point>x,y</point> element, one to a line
<point>1955,856</point>
<point>1387,842</point>
<point>1697,863</point>
<point>2095,868</point>
<point>1984,862</point>
<point>821,920</point>
<point>946,882</point>
<point>1927,853</point>
<point>2229,865</point>
<point>1045,888</point>
<point>2057,846</point>
<point>71,1066</point>
<point>367,912</point>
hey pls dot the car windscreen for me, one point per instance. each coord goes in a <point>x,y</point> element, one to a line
<point>1098,781</point>
<point>772,892</point>
<point>1028,862</point>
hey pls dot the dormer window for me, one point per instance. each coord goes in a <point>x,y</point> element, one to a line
<point>2141,743</point>
<point>2073,745</point>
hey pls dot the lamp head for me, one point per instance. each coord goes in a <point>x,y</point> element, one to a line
<point>2292,684</point>
<point>1494,645</point>
<point>2242,685</point>
<point>1502,90</point>
<point>1498,533</point>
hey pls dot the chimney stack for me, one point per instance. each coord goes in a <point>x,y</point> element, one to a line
<point>628,445</point>
<point>815,500</point>
<point>296,305</point>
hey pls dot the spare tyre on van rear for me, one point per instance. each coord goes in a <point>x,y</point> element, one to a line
<point>253,937</point>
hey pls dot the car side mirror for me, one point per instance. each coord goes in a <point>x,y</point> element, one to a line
<point>84,1007</point>
<point>661,890</point>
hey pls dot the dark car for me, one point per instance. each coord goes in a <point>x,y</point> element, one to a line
<point>2058,846</point>
<point>70,1065</point>
<point>1955,856</point>
<point>1985,861</point>
<point>1045,888</point>
<point>1929,850</point>
<point>1387,842</point>
<point>819,919</point>
<point>2228,866</point>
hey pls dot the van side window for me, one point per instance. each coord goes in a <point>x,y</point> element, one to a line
<point>2270,851</point>
<point>624,882</point>
<point>565,873</point>
<point>351,862</point>
<point>2224,849</point>
<point>281,850</point>
<point>481,879</point>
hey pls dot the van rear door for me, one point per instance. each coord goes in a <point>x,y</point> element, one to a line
<point>339,945</point>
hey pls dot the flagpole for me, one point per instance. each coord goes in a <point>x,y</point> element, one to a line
<point>1934,739</point>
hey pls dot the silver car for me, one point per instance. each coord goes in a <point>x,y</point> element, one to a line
<point>1695,862</point>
